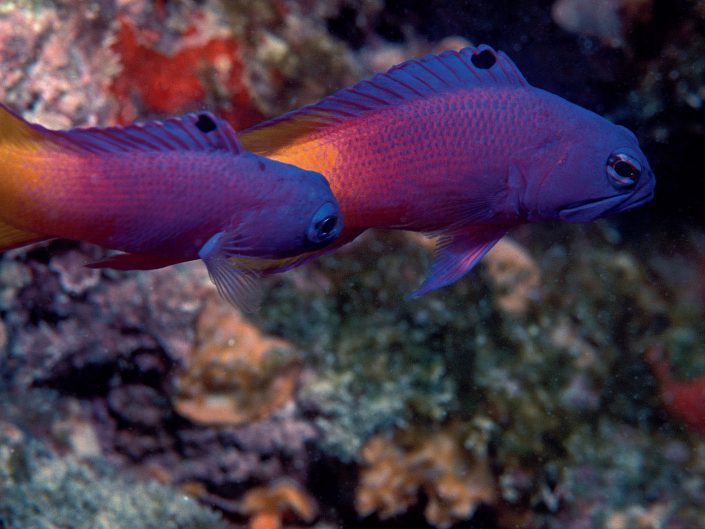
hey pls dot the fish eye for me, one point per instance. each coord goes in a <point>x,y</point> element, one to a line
<point>325,227</point>
<point>623,170</point>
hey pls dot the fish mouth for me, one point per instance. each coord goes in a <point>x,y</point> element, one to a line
<point>591,209</point>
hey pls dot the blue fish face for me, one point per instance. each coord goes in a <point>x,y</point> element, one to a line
<point>594,168</point>
<point>298,214</point>
<point>632,184</point>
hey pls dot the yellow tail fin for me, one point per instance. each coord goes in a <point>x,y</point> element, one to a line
<point>15,133</point>
<point>11,237</point>
<point>15,130</point>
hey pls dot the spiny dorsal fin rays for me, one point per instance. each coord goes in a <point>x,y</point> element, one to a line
<point>417,78</point>
<point>196,131</point>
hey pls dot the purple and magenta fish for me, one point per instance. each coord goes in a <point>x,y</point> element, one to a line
<point>163,192</point>
<point>460,146</point>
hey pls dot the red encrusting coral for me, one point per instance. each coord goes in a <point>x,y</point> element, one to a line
<point>199,72</point>
<point>684,399</point>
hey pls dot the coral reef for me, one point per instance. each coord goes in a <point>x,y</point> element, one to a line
<point>526,390</point>
<point>39,490</point>
<point>203,68</point>
<point>58,87</point>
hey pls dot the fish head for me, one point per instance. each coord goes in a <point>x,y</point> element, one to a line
<point>596,169</point>
<point>295,213</point>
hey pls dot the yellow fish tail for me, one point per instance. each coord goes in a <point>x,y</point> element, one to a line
<point>17,137</point>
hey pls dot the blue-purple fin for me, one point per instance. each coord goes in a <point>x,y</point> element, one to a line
<point>236,282</point>
<point>418,78</point>
<point>196,131</point>
<point>456,253</point>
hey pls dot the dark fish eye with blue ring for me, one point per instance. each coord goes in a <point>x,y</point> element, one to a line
<point>325,225</point>
<point>623,170</point>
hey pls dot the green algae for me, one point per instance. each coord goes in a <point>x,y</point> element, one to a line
<point>39,490</point>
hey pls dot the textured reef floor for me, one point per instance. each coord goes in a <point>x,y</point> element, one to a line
<point>561,384</point>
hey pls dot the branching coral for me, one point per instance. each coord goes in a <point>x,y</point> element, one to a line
<point>393,476</point>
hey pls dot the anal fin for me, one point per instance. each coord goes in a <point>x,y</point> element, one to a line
<point>456,253</point>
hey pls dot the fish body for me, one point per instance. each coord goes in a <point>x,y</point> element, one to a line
<point>163,193</point>
<point>460,146</point>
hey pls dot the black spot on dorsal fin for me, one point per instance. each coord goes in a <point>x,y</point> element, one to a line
<point>205,123</point>
<point>173,134</point>
<point>484,59</point>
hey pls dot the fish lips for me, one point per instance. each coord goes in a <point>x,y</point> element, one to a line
<point>589,210</point>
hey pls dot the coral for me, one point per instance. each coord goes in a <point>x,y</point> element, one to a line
<point>267,507</point>
<point>118,345</point>
<point>38,490</point>
<point>75,278</point>
<point>608,20</point>
<point>392,478</point>
<point>684,399</point>
<point>59,85</point>
<point>203,67</point>
<point>624,477</point>
<point>538,361</point>
<point>292,59</point>
<point>235,374</point>
<point>514,274</point>
<point>61,318</point>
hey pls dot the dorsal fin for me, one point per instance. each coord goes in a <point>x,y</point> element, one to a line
<point>417,78</point>
<point>196,131</point>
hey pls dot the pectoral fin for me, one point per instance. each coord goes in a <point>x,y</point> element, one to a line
<point>456,253</point>
<point>235,281</point>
